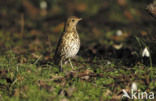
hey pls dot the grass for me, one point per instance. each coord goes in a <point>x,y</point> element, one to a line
<point>27,45</point>
<point>90,81</point>
<point>27,71</point>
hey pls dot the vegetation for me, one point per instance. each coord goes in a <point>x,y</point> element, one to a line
<point>113,37</point>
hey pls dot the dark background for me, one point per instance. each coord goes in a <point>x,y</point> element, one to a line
<point>28,22</point>
<point>113,36</point>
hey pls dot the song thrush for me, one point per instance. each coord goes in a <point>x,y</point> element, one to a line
<point>152,9</point>
<point>69,42</point>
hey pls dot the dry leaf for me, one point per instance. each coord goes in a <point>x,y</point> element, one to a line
<point>31,9</point>
<point>128,14</point>
<point>122,2</point>
<point>58,28</point>
<point>143,33</point>
<point>81,7</point>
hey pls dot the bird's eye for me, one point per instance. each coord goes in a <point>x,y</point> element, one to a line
<point>73,20</point>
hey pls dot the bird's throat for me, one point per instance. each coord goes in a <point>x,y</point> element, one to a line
<point>70,28</point>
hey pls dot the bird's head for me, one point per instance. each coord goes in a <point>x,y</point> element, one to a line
<point>72,22</point>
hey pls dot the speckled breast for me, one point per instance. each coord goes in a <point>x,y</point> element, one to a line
<point>72,44</point>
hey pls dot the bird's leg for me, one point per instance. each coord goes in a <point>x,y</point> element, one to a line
<point>61,69</point>
<point>70,63</point>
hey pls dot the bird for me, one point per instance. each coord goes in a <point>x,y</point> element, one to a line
<point>151,8</point>
<point>68,44</point>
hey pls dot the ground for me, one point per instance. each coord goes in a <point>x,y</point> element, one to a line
<point>113,36</point>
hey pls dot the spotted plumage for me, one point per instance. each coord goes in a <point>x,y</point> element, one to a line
<point>69,42</point>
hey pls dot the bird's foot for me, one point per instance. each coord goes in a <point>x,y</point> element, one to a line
<point>60,69</point>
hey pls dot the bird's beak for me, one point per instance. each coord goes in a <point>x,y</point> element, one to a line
<point>80,19</point>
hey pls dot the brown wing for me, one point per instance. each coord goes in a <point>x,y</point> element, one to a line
<point>58,53</point>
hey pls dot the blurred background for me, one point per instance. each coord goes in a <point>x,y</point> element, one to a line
<point>109,29</point>
<point>118,39</point>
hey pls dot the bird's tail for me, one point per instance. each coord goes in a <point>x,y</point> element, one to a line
<point>56,60</point>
